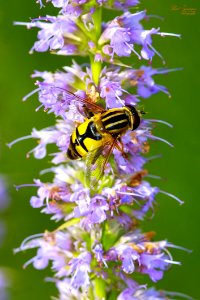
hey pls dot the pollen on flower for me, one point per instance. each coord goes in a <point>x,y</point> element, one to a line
<point>93,94</point>
<point>137,178</point>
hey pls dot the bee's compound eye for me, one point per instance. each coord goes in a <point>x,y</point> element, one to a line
<point>136,120</point>
<point>136,117</point>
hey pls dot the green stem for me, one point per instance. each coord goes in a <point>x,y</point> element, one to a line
<point>96,69</point>
<point>96,66</point>
<point>97,18</point>
<point>99,284</point>
<point>99,288</point>
<point>91,294</point>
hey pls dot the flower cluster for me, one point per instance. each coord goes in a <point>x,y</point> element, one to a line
<point>98,246</point>
<point>72,260</point>
<point>72,33</point>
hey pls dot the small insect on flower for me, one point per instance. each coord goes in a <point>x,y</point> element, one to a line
<point>99,134</point>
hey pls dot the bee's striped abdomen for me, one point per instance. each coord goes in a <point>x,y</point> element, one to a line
<point>72,153</point>
<point>84,139</point>
<point>115,120</point>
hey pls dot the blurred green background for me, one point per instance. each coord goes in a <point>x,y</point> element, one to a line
<point>179,167</point>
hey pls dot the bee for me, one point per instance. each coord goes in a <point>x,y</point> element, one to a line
<point>99,134</point>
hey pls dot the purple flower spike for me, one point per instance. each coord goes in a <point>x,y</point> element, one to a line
<point>98,185</point>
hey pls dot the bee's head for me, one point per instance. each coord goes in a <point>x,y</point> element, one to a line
<point>136,116</point>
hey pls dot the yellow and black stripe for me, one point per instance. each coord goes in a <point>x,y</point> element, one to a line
<point>116,120</point>
<point>84,139</point>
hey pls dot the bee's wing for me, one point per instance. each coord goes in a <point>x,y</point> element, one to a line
<point>96,161</point>
<point>71,98</point>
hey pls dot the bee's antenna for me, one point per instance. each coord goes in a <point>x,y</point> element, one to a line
<point>142,112</point>
<point>140,109</point>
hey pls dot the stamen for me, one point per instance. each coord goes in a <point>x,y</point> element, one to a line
<point>153,157</point>
<point>170,34</point>
<point>18,140</point>
<point>132,194</point>
<point>40,3</point>
<point>168,253</point>
<point>30,94</point>
<point>122,101</point>
<point>160,139</point>
<point>127,193</point>
<point>50,279</point>
<point>37,109</point>
<point>162,89</point>
<point>172,262</point>
<point>27,24</point>
<point>166,71</point>
<point>170,245</point>
<point>23,245</point>
<point>24,185</point>
<point>29,262</point>
<point>31,237</point>
<point>132,48</point>
<point>172,196</point>
<point>47,203</point>
<point>159,121</point>
<point>156,17</point>
<point>179,295</point>
<point>46,171</point>
<point>153,176</point>
<point>29,152</point>
<point>158,53</point>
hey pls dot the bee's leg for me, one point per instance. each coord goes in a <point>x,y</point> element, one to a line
<point>77,123</point>
<point>120,147</point>
<point>83,111</point>
<point>88,113</point>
